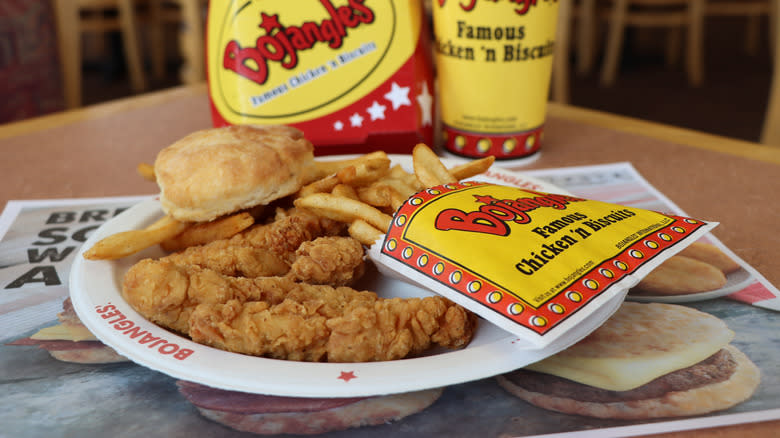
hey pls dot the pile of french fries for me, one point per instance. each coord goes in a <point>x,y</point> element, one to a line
<point>363,192</point>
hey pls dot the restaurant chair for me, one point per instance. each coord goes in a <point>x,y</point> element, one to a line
<point>770,133</point>
<point>675,15</point>
<point>574,18</point>
<point>753,11</point>
<point>585,14</point>
<point>77,17</point>
<point>559,83</point>
<point>189,17</point>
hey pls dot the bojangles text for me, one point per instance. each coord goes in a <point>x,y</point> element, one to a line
<point>493,216</point>
<point>282,43</point>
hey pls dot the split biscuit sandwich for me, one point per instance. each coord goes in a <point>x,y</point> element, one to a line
<point>700,267</point>
<point>647,361</point>
<point>71,341</point>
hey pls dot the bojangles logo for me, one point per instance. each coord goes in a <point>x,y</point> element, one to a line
<point>522,9</point>
<point>282,43</point>
<point>494,215</point>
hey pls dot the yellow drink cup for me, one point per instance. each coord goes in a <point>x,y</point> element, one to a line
<point>494,61</point>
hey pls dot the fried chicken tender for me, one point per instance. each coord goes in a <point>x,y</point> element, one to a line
<point>261,250</point>
<point>281,318</point>
<point>333,260</point>
<point>368,329</point>
<point>167,293</point>
<point>397,328</point>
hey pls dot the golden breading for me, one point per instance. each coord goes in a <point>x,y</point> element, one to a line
<point>320,323</point>
<point>262,250</point>
<point>280,318</point>
<point>333,260</point>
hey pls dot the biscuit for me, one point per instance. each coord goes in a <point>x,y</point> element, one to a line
<point>709,253</point>
<point>638,329</point>
<point>217,171</point>
<point>680,275</point>
<point>704,399</point>
<point>646,361</point>
<point>637,344</point>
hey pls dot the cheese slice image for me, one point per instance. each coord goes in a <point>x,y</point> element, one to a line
<point>638,344</point>
<point>647,361</point>
<point>64,332</point>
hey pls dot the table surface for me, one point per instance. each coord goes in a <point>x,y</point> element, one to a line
<point>94,151</point>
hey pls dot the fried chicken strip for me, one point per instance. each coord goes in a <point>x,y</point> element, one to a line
<point>261,250</point>
<point>368,330</point>
<point>167,293</point>
<point>334,260</point>
<point>397,328</point>
<point>280,318</point>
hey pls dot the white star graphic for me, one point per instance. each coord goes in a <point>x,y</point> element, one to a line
<point>376,111</point>
<point>425,100</point>
<point>338,126</point>
<point>399,96</point>
<point>355,120</point>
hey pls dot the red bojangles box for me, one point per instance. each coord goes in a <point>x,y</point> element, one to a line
<point>353,75</point>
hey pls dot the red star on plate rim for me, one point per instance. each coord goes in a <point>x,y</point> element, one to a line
<point>347,376</point>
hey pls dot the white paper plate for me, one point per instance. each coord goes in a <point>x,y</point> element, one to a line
<point>96,284</point>
<point>735,282</point>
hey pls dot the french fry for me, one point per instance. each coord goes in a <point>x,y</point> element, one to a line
<point>401,187</point>
<point>428,168</point>
<point>344,209</point>
<point>365,172</point>
<point>397,200</point>
<point>471,168</point>
<point>364,232</point>
<point>378,195</point>
<point>346,174</point>
<point>127,243</point>
<point>385,195</point>
<point>325,168</point>
<point>146,171</point>
<point>205,232</point>
<point>322,185</point>
<point>345,191</point>
<point>399,174</point>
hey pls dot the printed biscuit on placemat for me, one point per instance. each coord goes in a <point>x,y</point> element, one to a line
<point>709,253</point>
<point>680,275</point>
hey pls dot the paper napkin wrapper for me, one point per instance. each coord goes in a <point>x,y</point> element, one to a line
<point>548,268</point>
